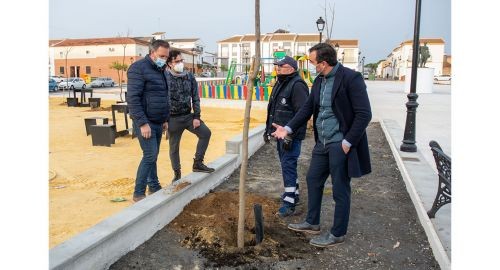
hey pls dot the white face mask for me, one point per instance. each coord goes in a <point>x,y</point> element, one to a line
<point>179,67</point>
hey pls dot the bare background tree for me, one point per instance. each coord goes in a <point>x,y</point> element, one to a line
<point>329,19</point>
<point>67,70</point>
<point>123,67</point>
<point>254,69</point>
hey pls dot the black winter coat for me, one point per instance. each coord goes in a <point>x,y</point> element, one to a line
<point>351,106</point>
<point>147,93</point>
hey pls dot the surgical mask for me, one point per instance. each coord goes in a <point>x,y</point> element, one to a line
<point>160,62</point>
<point>179,67</point>
<point>319,71</point>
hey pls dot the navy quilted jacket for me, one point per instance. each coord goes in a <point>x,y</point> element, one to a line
<point>147,93</point>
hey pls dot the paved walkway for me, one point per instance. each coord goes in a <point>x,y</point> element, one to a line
<point>433,122</point>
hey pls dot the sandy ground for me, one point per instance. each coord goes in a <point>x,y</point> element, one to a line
<point>83,179</point>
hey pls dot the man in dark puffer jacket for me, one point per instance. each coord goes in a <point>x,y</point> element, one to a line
<point>147,99</point>
<point>184,98</point>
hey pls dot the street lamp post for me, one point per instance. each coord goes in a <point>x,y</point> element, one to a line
<point>193,50</point>
<point>408,144</point>
<point>246,64</point>
<point>320,23</point>
<point>363,65</point>
<point>359,59</point>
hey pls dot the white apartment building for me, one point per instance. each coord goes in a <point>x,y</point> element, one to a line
<point>400,59</point>
<point>240,48</point>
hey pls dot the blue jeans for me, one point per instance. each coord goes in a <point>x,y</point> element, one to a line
<point>288,160</point>
<point>146,173</point>
<point>330,160</point>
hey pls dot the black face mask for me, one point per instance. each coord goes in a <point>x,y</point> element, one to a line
<point>283,77</point>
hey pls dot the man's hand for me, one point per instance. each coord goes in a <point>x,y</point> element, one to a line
<point>345,148</point>
<point>146,131</point>
<point>196,123</point>
<point>280,132</point>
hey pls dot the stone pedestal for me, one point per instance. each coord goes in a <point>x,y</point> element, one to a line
<point>425,80</point>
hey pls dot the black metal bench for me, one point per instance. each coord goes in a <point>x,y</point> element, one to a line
<point>443,164</point>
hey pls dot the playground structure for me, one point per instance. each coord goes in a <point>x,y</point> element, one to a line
<point>234,86</point>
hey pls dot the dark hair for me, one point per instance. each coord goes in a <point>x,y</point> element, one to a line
<point>325,52</point>
<point>157,43</point>
<point>172,55</point>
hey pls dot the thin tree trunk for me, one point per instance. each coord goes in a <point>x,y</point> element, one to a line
<point>248,106</point>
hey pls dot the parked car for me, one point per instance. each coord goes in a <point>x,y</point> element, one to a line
<point>52,85</point>
<point>72,83</point>
<point>206,74</point>
<point>442,78</point>
<point>366,75</point>
<point>103,82</point>
<point>57,78</point>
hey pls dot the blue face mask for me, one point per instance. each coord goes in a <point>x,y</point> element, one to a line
<point>160,62</point>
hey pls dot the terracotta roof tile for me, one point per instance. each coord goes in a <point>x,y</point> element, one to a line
<point>308,38</point>
<point>251,38</point>
<point>283,37</point>
<point>344,42</point>
<point>231,39</point>
<point>428,40</point>
<point>100,41</point>
<point>182,39</point>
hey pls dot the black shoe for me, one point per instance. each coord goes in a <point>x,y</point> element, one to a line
<point>304,227</point>
<point>198,166</point>
<point>177,175</point>
<point>152,191</point>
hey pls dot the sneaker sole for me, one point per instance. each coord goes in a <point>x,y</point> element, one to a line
<point>323,246</point>
<point>306,231</point>
<point>203,171</point>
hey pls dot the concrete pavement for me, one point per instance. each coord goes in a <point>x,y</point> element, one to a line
<point>433,122</point>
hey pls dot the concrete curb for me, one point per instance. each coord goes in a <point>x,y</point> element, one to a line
<point>437,247</point>
<point>106,242</point>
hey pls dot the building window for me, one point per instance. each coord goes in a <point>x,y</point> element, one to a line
<point>61,70</point>
<point>224,50</point>
<point>88,70</point>
<point>111,49</point>
<point>87,52</point>
<point>61,54</point>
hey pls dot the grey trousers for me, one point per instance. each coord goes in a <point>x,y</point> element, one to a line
<point>176,126</point>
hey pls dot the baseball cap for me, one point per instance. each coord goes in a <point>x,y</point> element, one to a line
<point>287,60</point>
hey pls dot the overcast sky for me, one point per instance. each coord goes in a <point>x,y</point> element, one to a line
<point>379,25</point>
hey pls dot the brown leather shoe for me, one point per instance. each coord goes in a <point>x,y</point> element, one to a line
<point>138,198</point>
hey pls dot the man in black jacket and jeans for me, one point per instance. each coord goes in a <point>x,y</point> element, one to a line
<point>288,95</point>
<point>147,100</point>
<point>185,114</point>
<point>341,112</point>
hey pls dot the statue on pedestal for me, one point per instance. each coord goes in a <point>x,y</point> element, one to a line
<point>423,55</point>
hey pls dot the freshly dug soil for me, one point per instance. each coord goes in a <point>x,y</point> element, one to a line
<point>384,231</point>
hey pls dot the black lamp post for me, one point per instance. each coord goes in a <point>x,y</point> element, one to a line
<point>193,50</point>
<point>359,58</point>
<point>246,64</point>
<point>408,144</point>
<point>320,23</point>
<point>363,65</point>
